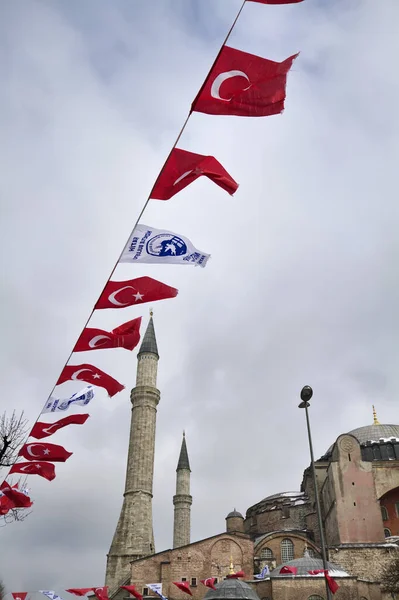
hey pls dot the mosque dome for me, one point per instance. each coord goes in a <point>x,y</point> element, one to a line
<point>232,589</point>
<point>306,564</point>
<point>375,433</point>
<point>234,513</point>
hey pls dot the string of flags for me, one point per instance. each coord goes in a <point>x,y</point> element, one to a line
<point>101,593</point>
<point>239,84</point>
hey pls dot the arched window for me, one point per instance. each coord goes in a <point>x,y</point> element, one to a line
<point>266,553</point>
<point>384,513</point>
<point>387,533</point>
<point>315,597</point>
<point>287,550</point>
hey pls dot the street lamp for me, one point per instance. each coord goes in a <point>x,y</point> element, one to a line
<point>306,394</point>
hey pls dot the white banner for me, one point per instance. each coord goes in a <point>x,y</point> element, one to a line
<point>81,398</point>
<point>50,594</point>
<point>157,588</point>
<point>150,245</point>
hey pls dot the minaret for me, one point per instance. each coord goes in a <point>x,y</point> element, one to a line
<point>182,500</point>
<point>134,536</point>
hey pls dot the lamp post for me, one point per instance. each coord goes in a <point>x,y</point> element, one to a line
<point>306,394</point>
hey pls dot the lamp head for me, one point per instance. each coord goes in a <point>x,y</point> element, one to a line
<point>306,394</point>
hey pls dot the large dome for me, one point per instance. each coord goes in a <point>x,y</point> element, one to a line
<point>232,589</point>
<point>306,564</point>
<point>374,433</point>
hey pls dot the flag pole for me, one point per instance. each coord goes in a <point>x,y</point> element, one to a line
<point>147,201</point>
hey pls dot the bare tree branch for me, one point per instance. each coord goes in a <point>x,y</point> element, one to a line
<point>13,432</point>
<point>2,590</point>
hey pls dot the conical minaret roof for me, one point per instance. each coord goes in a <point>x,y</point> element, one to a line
<point>149,343</point>
<point>183,463</point>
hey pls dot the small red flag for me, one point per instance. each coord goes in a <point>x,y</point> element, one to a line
<point>332,584</point>
<point>126,336</point>
<point>244,84</point>
<point>183,167</point>
<point>101,592</point>
<point>276,1</point>
<point>19,595</point>
<point>79,591</point>
<point>44,451</point>
<point>132,590</point>
<point>118,294</point>
<point>236,575</point>
<point>288,570</point>
<point>16,498</point>
<point>5,504</point>
<point>92,375</point>
<point>183,586</point>
<point>44,469</point>
<point>209,582</point>
<point>42,430</point>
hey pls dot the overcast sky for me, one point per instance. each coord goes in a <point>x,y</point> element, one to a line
<point>302,287</point>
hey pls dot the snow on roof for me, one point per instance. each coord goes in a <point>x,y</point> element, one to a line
<point>384,440</point>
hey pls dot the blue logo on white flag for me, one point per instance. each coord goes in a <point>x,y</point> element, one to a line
<point>165,244</point>
<point>265,571</point>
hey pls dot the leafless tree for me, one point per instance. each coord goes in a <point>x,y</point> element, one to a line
<point>2,590</point>
<point>13,432</point>
<point>390,576</point>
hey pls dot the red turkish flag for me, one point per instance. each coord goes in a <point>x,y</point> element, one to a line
<point>44,451</point>
<point>236,575</point>
<point>118,294</point>
<point>5,504</point>
<point>332,584</point>
<point>19,595</point>
<point>276,1</point>
<point>132,590</point>
<point>101,592</point>
<point>16,498</point>
<point>92,375</point>
<point>126,336</point>
<point>183,586</point>
<point>183,167</point>
<point>44,469</point>
<point>244,84</point>
<point>209,582</point>
<point>288,570</point>
<point>42,430</point>
<point>79,591</point>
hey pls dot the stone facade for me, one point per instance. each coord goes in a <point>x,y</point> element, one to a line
<point>268,549</point>
<point>211,557</point>
<point>134,537</point>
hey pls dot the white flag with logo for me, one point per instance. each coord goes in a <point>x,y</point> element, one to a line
<point>150,245</point>
<point>157,588</point>
<point>80,398</point>
<point>50,594</point>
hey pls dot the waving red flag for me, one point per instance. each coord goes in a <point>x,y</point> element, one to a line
<point>182,168</point>
<point>19,595</point>
<point>183,586</point>
<point>276,1</point>
<point>42,430</point>
<point>118,294</point>
<point>92,375</point>
<point>101,592</point>
<point>332,584</point>
<point>79,591</point>
<point>209,582</point>
<point>244,84</point>
<point>236,575</point>
<point>44,469</point>
<point>286,570</point>
<point>16,498</point>
<point>126,336</point>
<point>132,590</point>
<point>46,451</point>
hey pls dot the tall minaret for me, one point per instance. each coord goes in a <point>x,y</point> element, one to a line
<point>182,501</point>
<point>134,536</point>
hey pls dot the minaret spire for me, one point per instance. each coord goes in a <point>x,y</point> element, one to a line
<point>376,421</point>
<point>134,537</point>
<point>182,500</point>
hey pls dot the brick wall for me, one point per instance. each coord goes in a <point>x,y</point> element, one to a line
<point>391,504</point>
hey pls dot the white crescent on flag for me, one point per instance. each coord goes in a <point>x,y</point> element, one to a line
<point>112,297</point>
<point>30,448</point>
<point>97,338</point>
<point>77,373</point>
<point>215,88</point>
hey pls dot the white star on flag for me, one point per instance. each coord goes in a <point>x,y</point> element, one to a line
<point>138,296</point>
